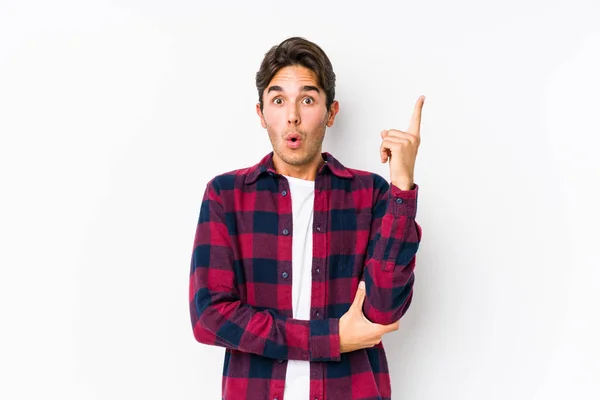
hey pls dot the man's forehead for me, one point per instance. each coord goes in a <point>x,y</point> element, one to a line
<point>293,78</point>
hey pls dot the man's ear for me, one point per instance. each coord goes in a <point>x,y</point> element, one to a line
<point>333,110</point>
<point>261,116</point>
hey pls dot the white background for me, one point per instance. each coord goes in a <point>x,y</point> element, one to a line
<point>115,114</point>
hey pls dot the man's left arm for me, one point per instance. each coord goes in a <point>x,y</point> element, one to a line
<point>394,240</point>
<point>395,235</point>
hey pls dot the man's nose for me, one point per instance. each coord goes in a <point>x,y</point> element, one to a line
<point>293,115</point>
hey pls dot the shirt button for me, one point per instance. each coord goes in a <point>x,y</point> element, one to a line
<point>284,193</point>
<point>318,270</point>
<point>286,232</point>
<point>280,361</point>
<point>317,313</point>
<point>318,229</point>
<point>399,200</point>
<point>284,275</point>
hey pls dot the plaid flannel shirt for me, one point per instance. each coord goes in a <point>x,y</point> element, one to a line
<point>240,287</point>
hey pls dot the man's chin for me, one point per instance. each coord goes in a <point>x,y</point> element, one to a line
<point>296,159</point>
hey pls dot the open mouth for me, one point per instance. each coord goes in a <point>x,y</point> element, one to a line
<point>293,141</point>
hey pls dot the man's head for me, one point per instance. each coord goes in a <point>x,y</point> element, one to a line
<point>296,89</point>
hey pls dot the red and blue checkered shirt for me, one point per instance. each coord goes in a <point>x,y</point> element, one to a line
<point>241,275</point>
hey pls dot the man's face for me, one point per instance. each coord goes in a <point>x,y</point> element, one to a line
<point>295,115</point>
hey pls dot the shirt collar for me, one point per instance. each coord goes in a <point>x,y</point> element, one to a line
<point>265,165</point>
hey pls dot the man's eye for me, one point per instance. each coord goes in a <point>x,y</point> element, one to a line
<point>277,101</point>
<point>308,100</point>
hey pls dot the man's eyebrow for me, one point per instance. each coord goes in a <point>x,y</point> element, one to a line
<point>275,88</point>
<point>308,88</point>
<point>305,88</point>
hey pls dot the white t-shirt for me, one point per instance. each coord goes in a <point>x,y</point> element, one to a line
<point>297,381</point>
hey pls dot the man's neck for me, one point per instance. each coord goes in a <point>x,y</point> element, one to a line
<point>306,171</point>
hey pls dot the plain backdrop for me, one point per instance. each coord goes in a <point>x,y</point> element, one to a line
<point>115,114</point>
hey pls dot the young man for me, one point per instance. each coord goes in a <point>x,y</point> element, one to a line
<point>300,265</point>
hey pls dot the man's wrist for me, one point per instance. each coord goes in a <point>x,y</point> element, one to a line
<point>405,184</point>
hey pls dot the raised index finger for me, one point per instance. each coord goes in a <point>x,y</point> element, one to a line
<point>415,121</point>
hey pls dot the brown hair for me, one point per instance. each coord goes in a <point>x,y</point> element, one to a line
<point>297,51</point>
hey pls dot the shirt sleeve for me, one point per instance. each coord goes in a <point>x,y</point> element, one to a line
<point>220,318</point>
<point>393,243</point>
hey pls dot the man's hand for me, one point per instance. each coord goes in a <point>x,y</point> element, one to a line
<point>400,148</point>
<point>356,331</point>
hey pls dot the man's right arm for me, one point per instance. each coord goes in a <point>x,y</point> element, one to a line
<point>220,318</point>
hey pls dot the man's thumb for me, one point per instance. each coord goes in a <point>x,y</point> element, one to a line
<point>360,296</point>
